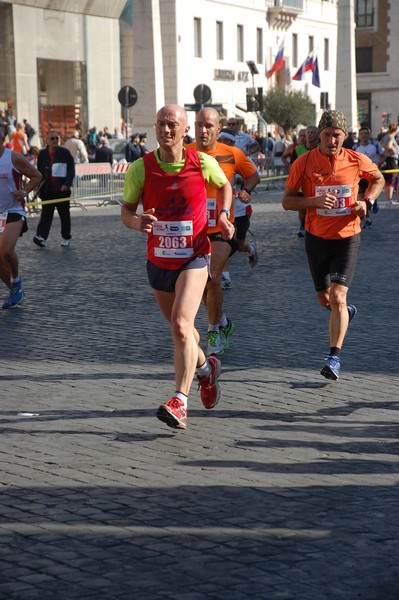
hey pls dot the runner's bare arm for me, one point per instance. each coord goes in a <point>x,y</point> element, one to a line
<point>249,183</point>
<point>291,201</point>
<point>375,187</point>
<point>224,196</point>
<point>26,168</point>
<point>286,155</point>
<point>224,199</point>
<point>132,220</point>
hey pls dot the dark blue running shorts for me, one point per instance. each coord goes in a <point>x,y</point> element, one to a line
<point>164,280</point>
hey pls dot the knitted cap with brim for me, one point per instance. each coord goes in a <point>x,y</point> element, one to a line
<point>333,118</point>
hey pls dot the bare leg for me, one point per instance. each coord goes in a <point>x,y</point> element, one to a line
<point>335,299</point>
<point>180,309</point>
<point>8,257</point>
<point>388,191</point>
<point>213,296</point>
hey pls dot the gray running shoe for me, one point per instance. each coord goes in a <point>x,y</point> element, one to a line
<point>216,342</point>
<point>225,282</point>
<point>253,256</point>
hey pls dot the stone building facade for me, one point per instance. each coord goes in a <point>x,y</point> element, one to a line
<point>61,62</point>
<point>377,58</point>
<point>66,61</point>
<point>168,47</point>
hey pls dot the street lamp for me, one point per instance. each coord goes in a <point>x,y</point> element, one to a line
<point>253,69</point>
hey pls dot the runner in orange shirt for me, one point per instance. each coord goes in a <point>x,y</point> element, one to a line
<point>20,140</point>
<point>329,177</point>
<point>231,160</point>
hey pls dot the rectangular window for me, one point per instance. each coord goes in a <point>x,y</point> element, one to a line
<point>197,37</point>
<point>259,46</point>
<point>324,100</point>
<point>311,43</point>
<point>364,108</point>
<point>219,40</point>
<point>326,54</point>
<point>364,60</point>
<point>289,3</point>
<point>294,49</point>
<point>364,13</point>
<point>240,43</point>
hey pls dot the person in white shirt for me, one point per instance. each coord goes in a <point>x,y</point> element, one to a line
<point>243,141</point>
<point>77,148</point>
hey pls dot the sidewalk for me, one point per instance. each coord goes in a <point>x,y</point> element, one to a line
<point>287,490</point>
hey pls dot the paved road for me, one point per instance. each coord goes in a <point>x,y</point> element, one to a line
<point>287,490</point>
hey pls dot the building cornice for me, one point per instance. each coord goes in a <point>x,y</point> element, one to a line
<point>282,17</point>
<point>97,8</point>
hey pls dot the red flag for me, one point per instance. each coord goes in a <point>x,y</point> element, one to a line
<point>278,62</point>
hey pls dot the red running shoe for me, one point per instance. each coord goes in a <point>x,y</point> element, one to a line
<point>173,413</point>
<point>209,386</point>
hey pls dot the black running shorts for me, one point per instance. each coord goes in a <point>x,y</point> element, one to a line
<point>391,162</point>
<point>217,237</point>
<point>13,217</point>
<point>242,226</point>
<point>331,261</point>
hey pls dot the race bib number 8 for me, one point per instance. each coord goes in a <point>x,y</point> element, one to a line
<point>343,200</point>
<point>174,239</point>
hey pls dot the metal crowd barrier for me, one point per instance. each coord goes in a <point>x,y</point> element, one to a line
<point>99,183</point>
<point>271,170</point>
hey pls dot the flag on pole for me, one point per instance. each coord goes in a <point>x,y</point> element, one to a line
<point>305,66</point>
<point>315,73</point>
<point>278,62</point>
<point>310,64</point>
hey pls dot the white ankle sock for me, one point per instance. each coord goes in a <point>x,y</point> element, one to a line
<point>223,321</point>
<point>181,397</point>
<point>204,370</point>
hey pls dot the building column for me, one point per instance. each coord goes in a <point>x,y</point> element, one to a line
<point>143,53</point>
<point>346,91</point>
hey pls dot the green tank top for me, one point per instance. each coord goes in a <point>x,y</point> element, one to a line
<point>301,150</point>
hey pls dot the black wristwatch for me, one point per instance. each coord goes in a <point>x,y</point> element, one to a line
<point>247,190</point>
<point>369,203</point>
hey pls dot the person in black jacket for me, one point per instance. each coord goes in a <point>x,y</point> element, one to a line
<point>133,149</point>
<point>103,152</point>
<point>57,166</point>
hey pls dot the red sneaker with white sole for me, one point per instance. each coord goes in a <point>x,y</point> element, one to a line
<point>173,413</point>
<point>209,386</point>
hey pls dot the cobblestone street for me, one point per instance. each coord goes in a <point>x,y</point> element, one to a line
<point>287,490</point>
